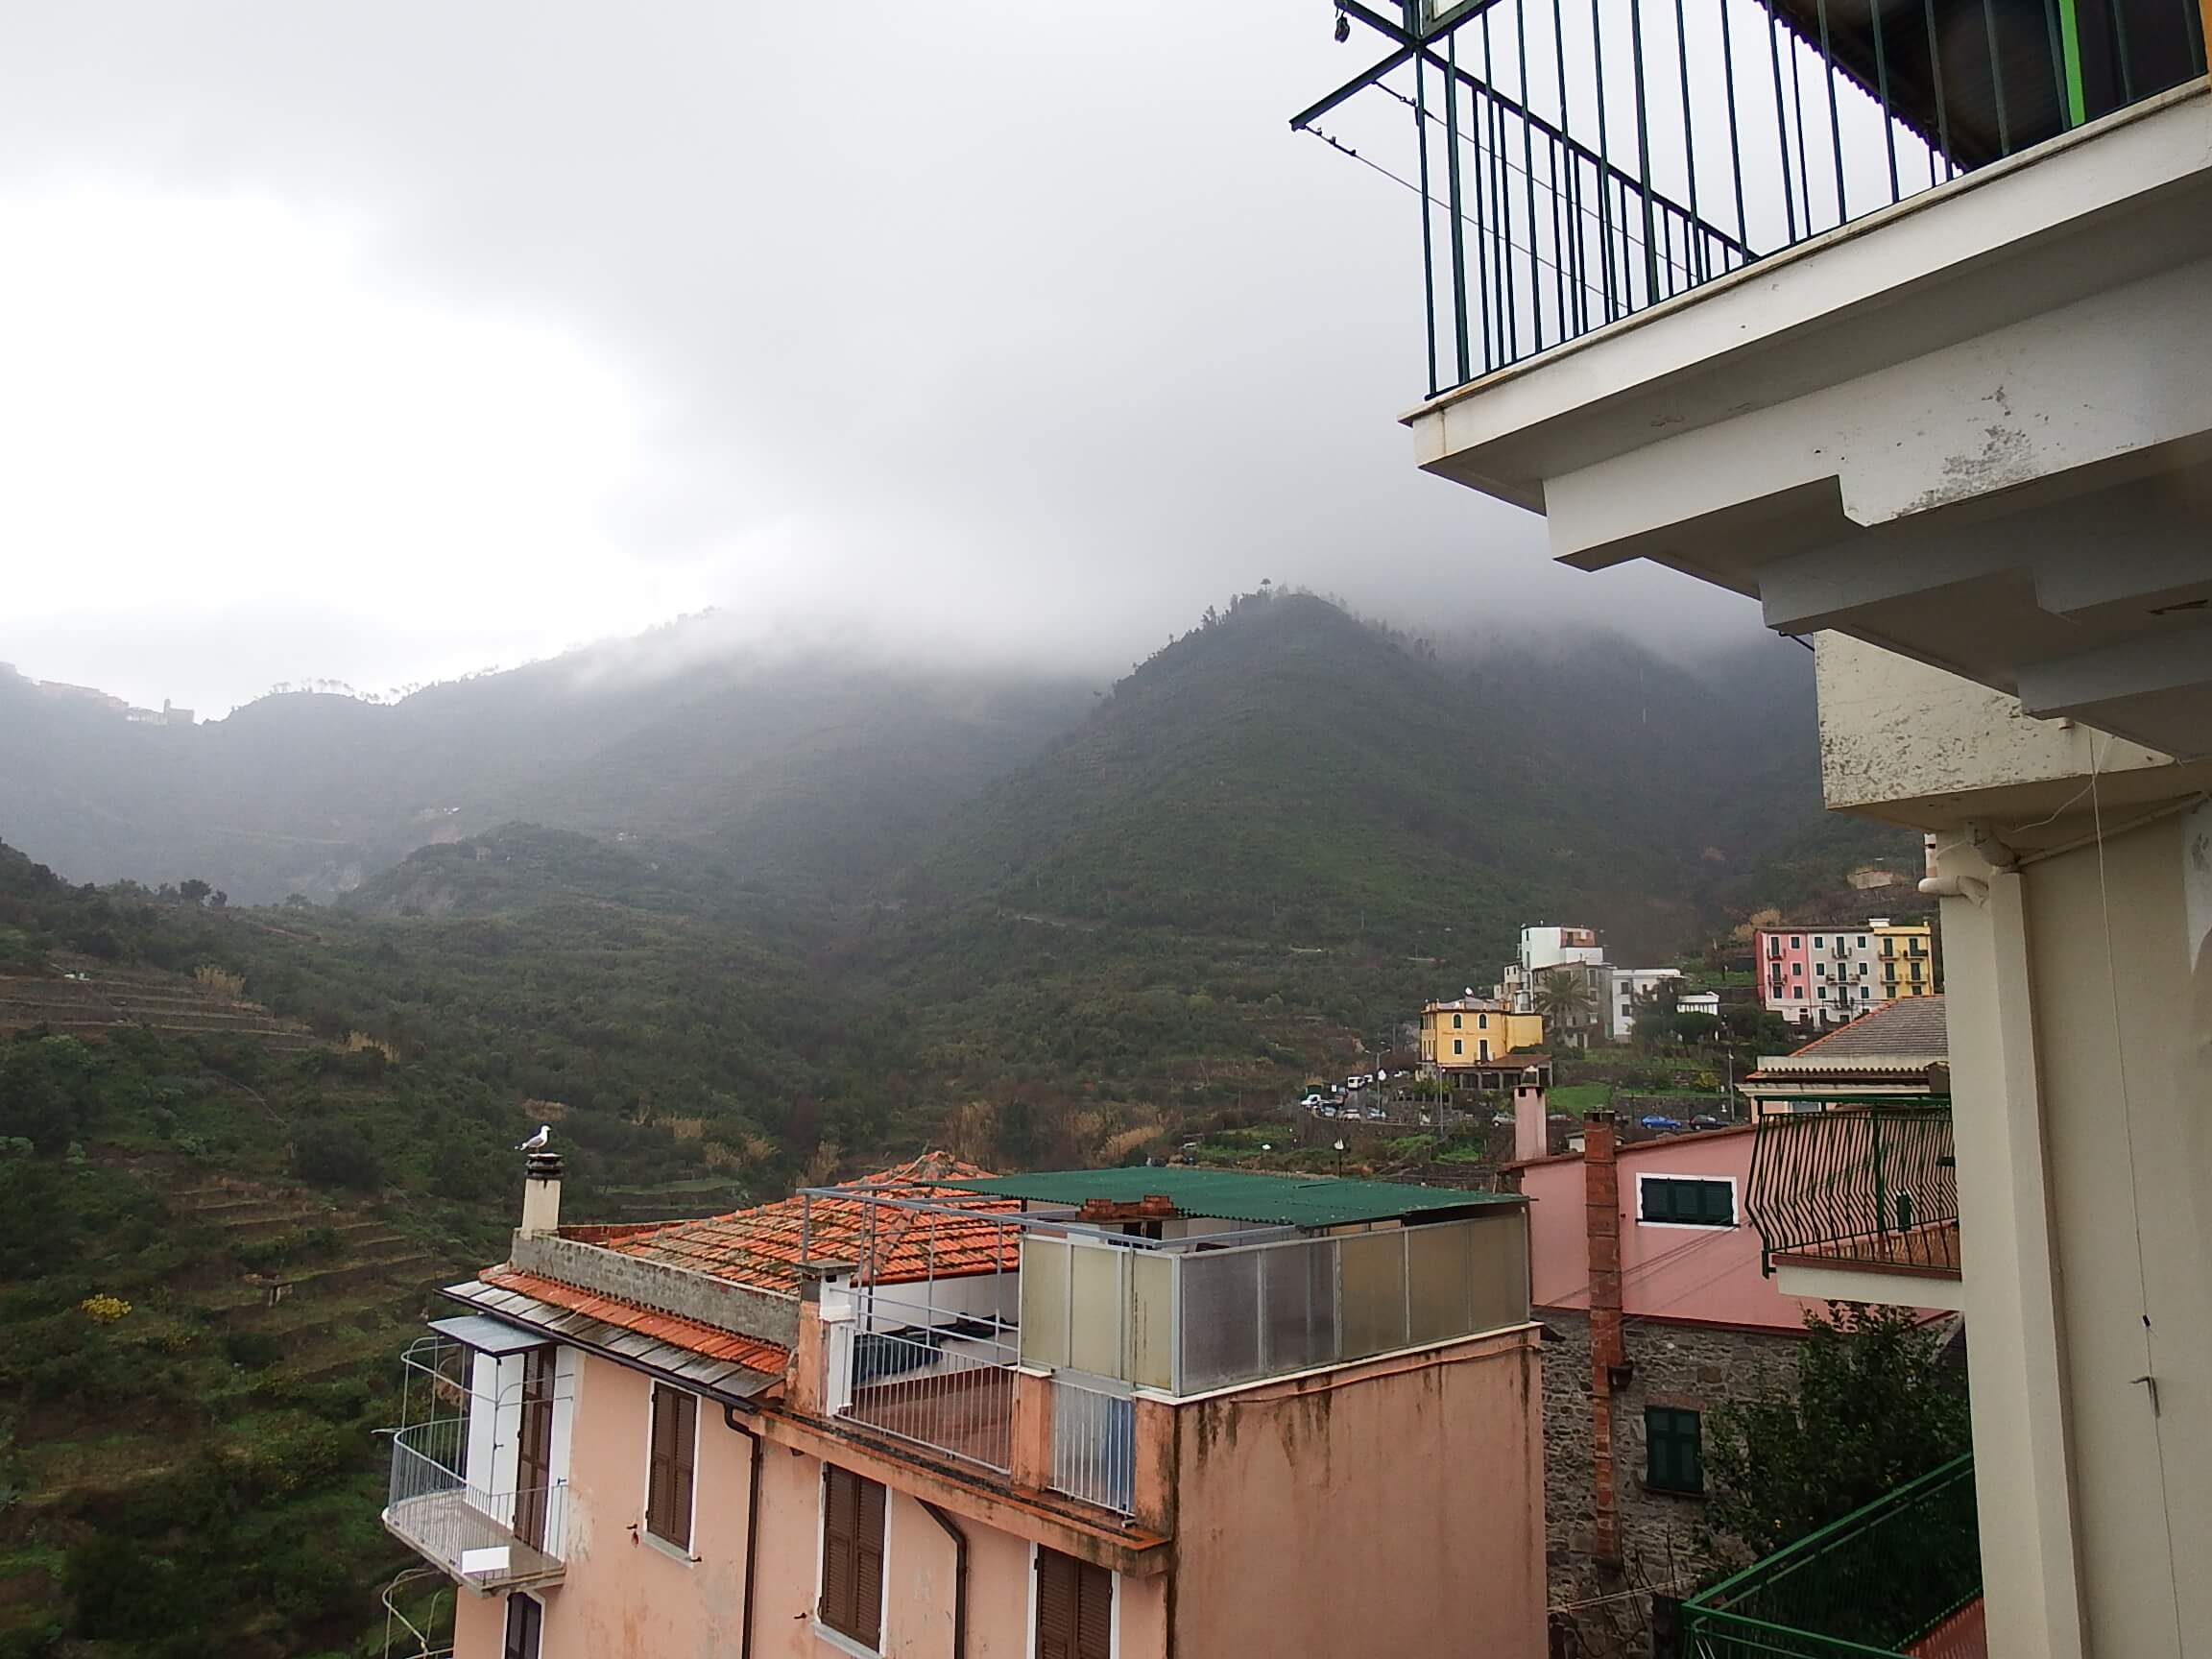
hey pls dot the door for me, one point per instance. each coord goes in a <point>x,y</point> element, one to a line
<point>534,1449</point>
<point>526,1620</point>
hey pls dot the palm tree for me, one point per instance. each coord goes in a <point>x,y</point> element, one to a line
<point>1565,998</point>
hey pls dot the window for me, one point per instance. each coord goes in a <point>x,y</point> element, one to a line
<point>1798,992</point>
<point>852,1556</point>
<point>525,1618</point>
<point>1484,1046</point>
<point>1684,1202</point>
<point>1796,970</point>
<point>1796,941</point>
<point>669,1465</point>
<point>1673,1450</point>
<point>1482,1022</point>
<point>1075,1607</point>
<point>1454,1022</point>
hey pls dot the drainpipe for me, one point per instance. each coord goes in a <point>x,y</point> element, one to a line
<point>752,1526</point>
<point>959,1575</point>
<point>1602,1212</point>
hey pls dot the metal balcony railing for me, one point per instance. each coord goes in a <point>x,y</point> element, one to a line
<point>1858,1185</point>
<point>490,1538</point>
<point>1579,162</point>
<point>935,1387</point>
<point>1892,1579</point>
<point>1095,1442</point>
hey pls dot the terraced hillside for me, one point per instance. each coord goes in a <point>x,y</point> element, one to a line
<point>85,996</point>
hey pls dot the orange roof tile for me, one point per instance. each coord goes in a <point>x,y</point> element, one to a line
<point>690,1334</point>
<point>760,1246</point>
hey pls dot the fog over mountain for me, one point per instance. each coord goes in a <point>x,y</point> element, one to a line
<point>1018,333</point>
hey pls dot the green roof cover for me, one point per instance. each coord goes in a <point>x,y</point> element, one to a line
<point>1235,1195</point>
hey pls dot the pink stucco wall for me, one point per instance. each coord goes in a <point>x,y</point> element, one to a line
<point>1709,1274</point>
<point>627,1597</point>
<point>1390,1507</point>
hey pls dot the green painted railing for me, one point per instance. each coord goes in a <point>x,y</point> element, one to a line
<point>1868,1184</point>
<point>1875,1582</point>
<point>1579,161</point>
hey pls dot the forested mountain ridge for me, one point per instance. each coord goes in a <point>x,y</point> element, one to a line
<point>1287,772</point>
<point>799,770</point>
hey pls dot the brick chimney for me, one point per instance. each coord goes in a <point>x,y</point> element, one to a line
<point>541,1195</point>
<point>1602,1212</point>
<point>1531,1131</point>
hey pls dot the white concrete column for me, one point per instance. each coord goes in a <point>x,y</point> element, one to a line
<point>2022,1471</point>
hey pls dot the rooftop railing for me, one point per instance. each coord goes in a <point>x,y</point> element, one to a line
<point>1856,1184</point>
<point>1578,162</point>
<point>1885,1579</point>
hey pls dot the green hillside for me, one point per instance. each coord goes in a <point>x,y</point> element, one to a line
<point>1287,773</point>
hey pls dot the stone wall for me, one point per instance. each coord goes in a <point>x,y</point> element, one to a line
<point>1601,1612</point>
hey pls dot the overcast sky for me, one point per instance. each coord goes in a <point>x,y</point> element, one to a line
<point>385,342</point>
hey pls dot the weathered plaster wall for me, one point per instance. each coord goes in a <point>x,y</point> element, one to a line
<point>1390,1507</point>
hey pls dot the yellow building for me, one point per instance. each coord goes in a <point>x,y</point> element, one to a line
<point>1907,951</point>
<point>1476,1031</point>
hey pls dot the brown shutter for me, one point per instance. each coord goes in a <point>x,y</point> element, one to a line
<point>868,1566</point>
<point>1093,1613</point>
<point>1057,1594</point>
<point>853,1556</point>
<point>668,1473</point>
<point>840,1519</point>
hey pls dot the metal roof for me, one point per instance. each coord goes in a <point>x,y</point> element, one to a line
<point>1237,1196</point>
<point>489,1336</point>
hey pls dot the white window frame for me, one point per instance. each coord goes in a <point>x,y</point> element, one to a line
<point>689,1557</point>
<point>837,1639</point>
<point>1113,1613</point>
<point>1735,1202</point>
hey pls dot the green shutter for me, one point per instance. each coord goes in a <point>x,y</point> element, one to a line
<point>1674,1455</point>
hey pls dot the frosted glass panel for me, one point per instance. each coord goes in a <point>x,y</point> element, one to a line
<point>1220,1319</point>
<point>1044,1302</point>
<point>1151,1358</point>
<point>1501,1272</point>
<point>1297,1306</point>
<point>1373,1266</point>
<point>1094,1332</point>
<point>1439,1269</point>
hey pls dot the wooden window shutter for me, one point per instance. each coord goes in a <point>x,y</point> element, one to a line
<point>1074,1608</point>
<point>524,1617</point>
<point>669,1471</point>
<point>853,1556</point>
<point>1093,1613</point>
<point>868,1565</point>
<point>1057,1594</point>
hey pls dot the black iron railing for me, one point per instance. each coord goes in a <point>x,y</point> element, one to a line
<point>1857,1185</point>
<point>1579,161</point>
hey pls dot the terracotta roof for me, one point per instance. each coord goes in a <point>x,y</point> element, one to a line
<point>708,1340</point>
<point>761,1247</point>
<point>1624,1149</point>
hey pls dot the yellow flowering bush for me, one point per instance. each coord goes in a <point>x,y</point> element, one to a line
<point>107,1309</point>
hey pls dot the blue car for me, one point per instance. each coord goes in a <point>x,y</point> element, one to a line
<point>1656,1122</point>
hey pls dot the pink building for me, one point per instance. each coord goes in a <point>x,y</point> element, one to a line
<point>1098,1414</point>
<point>1653,1285</point>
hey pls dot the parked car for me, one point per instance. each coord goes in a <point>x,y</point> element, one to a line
<point>1501,1120</point>
<point>1706,1121</point>
<point>1656,1122</point>
<point>1311,1102</point>
<point>1378,1114</point>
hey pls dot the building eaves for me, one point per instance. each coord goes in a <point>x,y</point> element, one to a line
<point>698,1356</point>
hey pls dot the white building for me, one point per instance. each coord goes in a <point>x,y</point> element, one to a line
<point>1543,947</point>
<point>1624,988</point>
<point>1925,370</point>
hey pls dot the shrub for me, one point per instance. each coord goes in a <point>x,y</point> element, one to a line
<point>337,1155</point>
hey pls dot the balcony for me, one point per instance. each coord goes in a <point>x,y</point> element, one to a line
<point>471,1487</point>
<point>1093,1316</point>
<point>488,1539</point>
<point>1901,1576</point>
<point>1858,1201</point>
<point>1575,169</point>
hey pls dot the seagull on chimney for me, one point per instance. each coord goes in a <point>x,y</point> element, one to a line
<point>537,1141</point>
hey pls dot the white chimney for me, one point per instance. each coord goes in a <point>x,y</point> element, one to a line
<point>1531,1133</point>
<point>541,1195</point>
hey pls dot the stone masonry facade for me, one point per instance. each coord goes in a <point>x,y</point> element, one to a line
<point>1601,1612</point>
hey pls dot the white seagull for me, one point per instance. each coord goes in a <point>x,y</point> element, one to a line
<point>536,1140</point>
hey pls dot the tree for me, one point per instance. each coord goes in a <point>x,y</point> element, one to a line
<point>1875,1405</point>
<point>1565,998</point>
<point>192,890</point>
